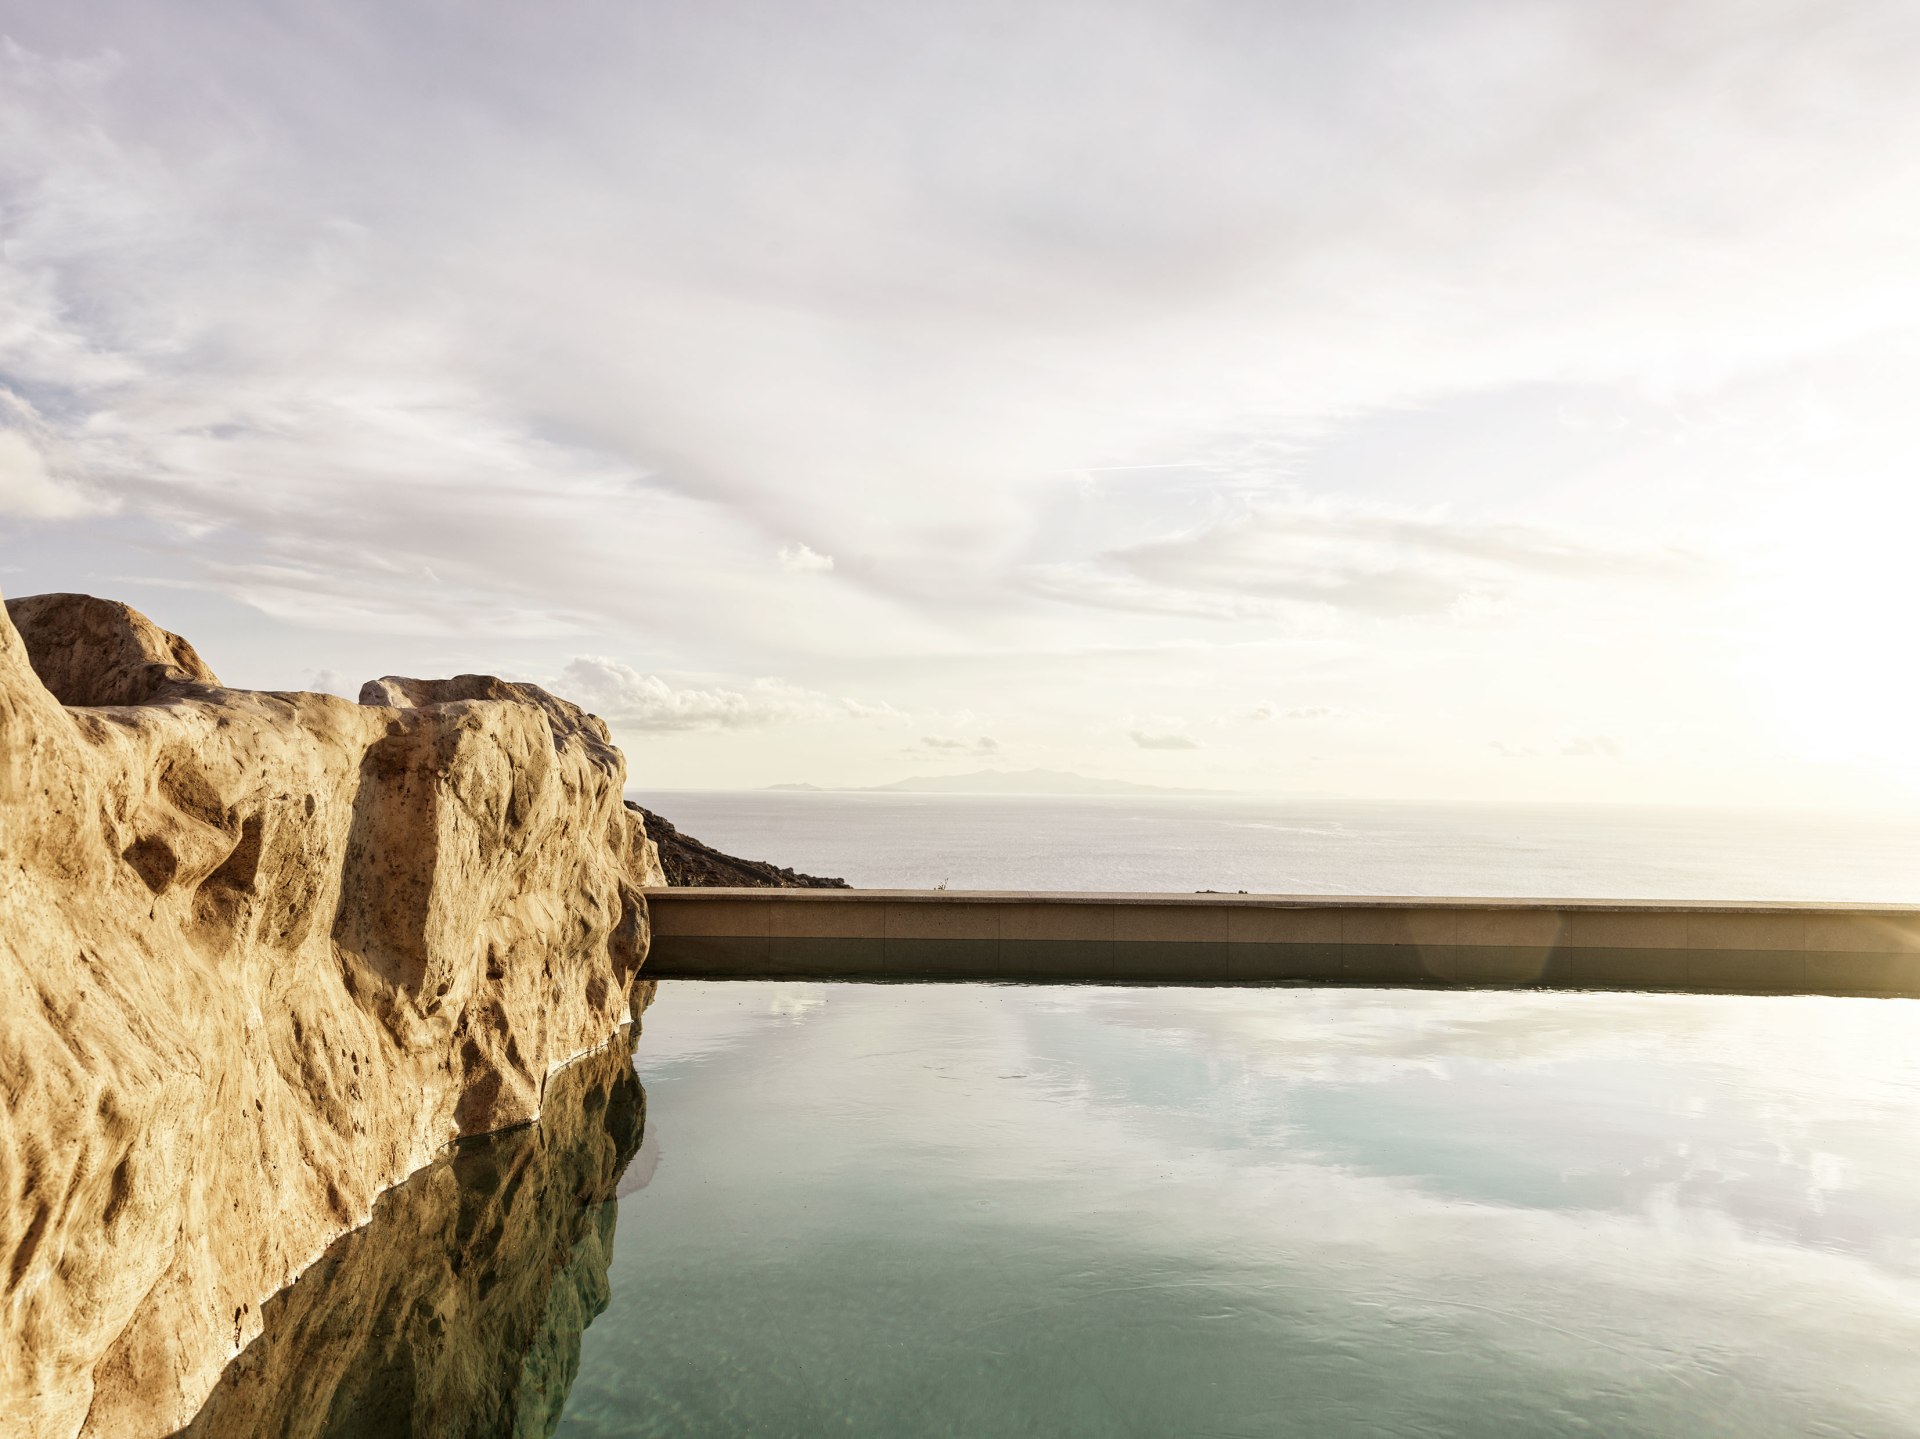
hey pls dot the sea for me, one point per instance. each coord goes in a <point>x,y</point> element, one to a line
<point>1186,844</point>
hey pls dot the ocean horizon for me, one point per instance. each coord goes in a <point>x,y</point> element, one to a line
<point>1185,843</point>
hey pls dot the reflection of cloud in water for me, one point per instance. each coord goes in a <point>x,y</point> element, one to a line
<point>1795,1117</point>
<point>726,1016</point>
<point>1639,1105</point>
<point>640,1170</point>
<point>1604,1194</point>
<point>1808,1048</point>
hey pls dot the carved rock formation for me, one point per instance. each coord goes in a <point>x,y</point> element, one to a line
<point>263,955</point>
<point>458,1311</point>
<point>688,862</point>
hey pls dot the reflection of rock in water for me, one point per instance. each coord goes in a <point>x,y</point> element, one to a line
<point>457,1311</point>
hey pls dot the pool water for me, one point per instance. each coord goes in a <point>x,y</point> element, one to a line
<point>913,1210</point>
<point>994,1210</point>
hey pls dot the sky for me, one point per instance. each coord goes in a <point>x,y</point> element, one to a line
<point>1505,399</point>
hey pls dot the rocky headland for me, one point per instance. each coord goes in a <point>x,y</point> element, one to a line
<point>686,861</point>
<point>262,956</point>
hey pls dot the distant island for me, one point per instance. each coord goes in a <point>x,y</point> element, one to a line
<point>996,781</point>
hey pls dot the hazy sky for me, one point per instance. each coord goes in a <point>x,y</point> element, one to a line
<point>1392,399</point>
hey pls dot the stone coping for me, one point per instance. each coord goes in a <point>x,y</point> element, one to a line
<point>1044,937</point>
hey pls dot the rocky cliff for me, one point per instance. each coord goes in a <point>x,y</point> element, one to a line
<point>262,956</point>
<point>686,861</point>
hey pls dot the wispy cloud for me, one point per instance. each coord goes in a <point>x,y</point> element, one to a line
<point>1597,746</point>
<point>27,489</point>
<point>1377,315</point>
<point>644,702</point>
<point>1375,560</point>
<point>799,559</point>
<point>936,744</point>
<point>1296,712</point>
<point>880,712</point>
<point>1147,739</point>
<point>244,306</point>
<point>647,703</point>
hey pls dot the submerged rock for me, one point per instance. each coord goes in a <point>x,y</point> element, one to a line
<point>686,861</point>
<point>458,1311</point>
<point>263,955</point>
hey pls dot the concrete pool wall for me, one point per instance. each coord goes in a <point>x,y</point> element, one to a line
<point>1045,937</point>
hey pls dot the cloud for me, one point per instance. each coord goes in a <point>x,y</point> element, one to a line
<point>798,559</point>
<point>246,306</point>
<point>1146,739</point>
<point>563,352</point>
<point>981,746</point>
<point>633,700</point>
<point>1098,586</point>
<point>1598,746</point>
<point>627,698</point>
<point>1373,560</point>
<point>28,490</point>
<point>882,712</point>
<point>1298,712</point>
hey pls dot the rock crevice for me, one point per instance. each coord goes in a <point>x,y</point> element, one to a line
<point>263,955</point>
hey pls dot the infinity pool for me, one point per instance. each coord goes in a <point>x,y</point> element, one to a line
<point>973,1210</point>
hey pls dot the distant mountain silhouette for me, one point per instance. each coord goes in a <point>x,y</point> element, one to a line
<point>997,781</point>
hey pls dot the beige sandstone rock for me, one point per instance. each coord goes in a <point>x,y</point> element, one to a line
<point>262,956</point>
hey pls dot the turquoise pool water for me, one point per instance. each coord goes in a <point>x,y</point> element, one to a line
<point>917,1210</point>
<point>978,1210</point>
